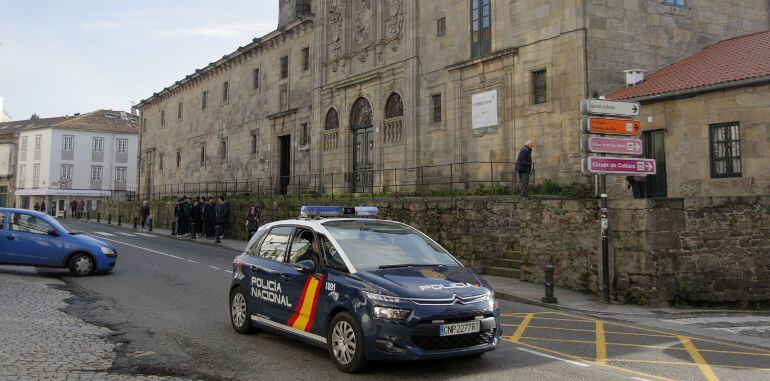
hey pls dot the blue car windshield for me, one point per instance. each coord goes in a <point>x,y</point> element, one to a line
<point>372,244</point>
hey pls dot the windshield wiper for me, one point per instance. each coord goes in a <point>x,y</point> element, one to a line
<point>407,265</point>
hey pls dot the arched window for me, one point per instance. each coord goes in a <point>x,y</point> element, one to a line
<point>394,107</point>
<point>332,121</point>
<point>361,115</point>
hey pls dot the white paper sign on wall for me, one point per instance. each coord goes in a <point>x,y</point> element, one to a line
<point>484,112</point>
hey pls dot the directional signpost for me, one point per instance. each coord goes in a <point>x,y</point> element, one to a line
<point>618,119</point>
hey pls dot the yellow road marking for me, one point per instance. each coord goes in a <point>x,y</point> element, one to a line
<point>601,343</point>
<point>592,331</point>
<point>559,340</point>
<point>675,363</point>
<point>522,327</point>
<point>696,356</point>
<point>559,319</point>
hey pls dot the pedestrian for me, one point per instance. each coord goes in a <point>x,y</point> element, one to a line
<point>223,216</point>
<point>81,207</point>
<point>196,218</point>
<point>524,167</point>
<point>209,218</point>
<point>178,217</point>
<point>36,207</point>
<point>74,208</point>
<point>144,213</point>
<point>252,220</point>
<point>186,215</point>
<point>42,206</point>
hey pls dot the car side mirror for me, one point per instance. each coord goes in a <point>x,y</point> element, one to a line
<point>305,267</point>
<point>53,233</point>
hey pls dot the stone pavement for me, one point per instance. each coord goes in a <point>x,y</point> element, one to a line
<point>38,341</point>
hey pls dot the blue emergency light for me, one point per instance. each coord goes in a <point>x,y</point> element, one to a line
<point>338,211</point>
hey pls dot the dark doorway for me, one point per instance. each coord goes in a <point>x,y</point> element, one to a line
<point>363,146</point>
<point>655,148</point>
<point>285,163</point>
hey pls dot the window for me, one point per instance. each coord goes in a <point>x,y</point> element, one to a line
<point>481,28</point>
<point>394,106</point>
<point>160,162</point>
<point>38,142</point>
<point>255,79</point>
<point>96,173</point>
<point>332,121</point>
<point>23,144</point>
<point>435,107</point>
<point>305,58</point>
<point>68,143</point>
<point>28,224</point>
<point>305,135</point>
<point>302,247</point>
<point>253,143</point>
<point>441,27</point>
<point>332,257</point>
<point>144,125</point>
<point>179,111</point>
<point>162,118</point>
<point>35,172</point>
<point>223,149</point>
<point>3,203</point>
<point>275,244</point>
<point>98,145</point>
<point>122,145</point>
<point>178,159</point>
<point>676,3</point>
<point>284,67</point>
<point>539,87</point>
<point>22,174</point>
<point>225,92</point>
<point>203,154</point>
<point>725,144</point>
<point>120,174</point>
<point>204,99</point>
<point>66,171</point>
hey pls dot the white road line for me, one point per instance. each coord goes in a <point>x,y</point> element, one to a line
<point>143,248</point>
<point>229,271</point>
<point>214,267</point>
<point>639,379</point>
<point>551,357</point>
<point>105,234</point>
<point>145,235</point>
<point>723,319</point>
<point>191,261</point>
<point>127,234</point>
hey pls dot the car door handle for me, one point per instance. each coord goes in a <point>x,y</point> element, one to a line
<point>10,237</point>
<point>286,277</point>
<point>257,268</point>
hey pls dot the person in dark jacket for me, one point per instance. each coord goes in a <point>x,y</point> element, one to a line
<point>186,216</point>
<point>209,218</point>
<point>177,217</point>
<point>196,219</point>
<point>144,213</point>
<point>73,207</point>
<point>524,167</point>
<point>252,220</point>
<point>223,216</point>
<point>36,207</point>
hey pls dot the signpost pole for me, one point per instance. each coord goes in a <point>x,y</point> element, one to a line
<point>605,221</point>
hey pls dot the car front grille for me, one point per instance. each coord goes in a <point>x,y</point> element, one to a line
<point>439,343</point>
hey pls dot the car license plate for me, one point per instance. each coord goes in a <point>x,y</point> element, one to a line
<point>459,328</point>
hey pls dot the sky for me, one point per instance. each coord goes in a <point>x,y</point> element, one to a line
<point>60,57</point>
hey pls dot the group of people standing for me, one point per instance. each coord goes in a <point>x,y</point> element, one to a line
<point>201,217</point>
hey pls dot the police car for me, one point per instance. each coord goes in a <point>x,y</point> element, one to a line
<point>365,288</point>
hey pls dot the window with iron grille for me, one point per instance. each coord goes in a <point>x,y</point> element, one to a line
<point>725,147</point>
<point>435,107</point>
<point>204,99</point>
<point>481,28</point>
<point>676,3</point>
<point>394,106</point>
<point>284,67</point>
<point>441,27</point>
<point>305,58</point>
<point>225,91</point>
<point>255,79</point>
<point>539,87</point>
<point>332,121</point>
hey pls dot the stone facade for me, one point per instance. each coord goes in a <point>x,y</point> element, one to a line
<point>379,71</point>
<point>7,169</point>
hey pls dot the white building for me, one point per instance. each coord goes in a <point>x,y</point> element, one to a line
<point>4,117</point>
<point>84,157</point>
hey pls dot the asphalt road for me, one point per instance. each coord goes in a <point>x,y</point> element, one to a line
<point>167,303</point>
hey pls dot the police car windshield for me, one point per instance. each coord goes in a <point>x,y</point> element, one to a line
<point>372,244</point>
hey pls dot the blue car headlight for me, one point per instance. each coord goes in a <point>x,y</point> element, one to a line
<point>107,250</point>
<point>391,313</point>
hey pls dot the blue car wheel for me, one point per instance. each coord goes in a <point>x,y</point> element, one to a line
<point>81,264</point>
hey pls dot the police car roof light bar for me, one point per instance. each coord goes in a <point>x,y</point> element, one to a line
<point>338,211</point>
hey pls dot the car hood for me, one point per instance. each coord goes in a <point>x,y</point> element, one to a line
<point>88,241</point>
<point>434,282</point>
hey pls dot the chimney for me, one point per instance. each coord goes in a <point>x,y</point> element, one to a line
<point>634,77</point>
<point>123,115</point>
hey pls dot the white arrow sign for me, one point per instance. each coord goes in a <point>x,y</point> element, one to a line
<point>604,107</point>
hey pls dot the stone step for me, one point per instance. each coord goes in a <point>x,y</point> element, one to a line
<point>502,271</point>
<point>510,263</point>
<point>512,254</point>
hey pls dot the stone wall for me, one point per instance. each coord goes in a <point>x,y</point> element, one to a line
<point>699,250</point>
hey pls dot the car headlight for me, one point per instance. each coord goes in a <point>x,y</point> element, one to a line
<point>385,298</point>
<point>107,250</point>
<point>391,313</point>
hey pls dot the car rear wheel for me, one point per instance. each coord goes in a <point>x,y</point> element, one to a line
<point>81,264</point>
<point>346,344</point>
<point>239,311</point>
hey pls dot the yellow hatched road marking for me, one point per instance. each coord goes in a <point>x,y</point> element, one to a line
<point>522,327</point>
<point>592,331</point>
<point>676,363</point>
<point>696,356</point>
<point>601,343</point>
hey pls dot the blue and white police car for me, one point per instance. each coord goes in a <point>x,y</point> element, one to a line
<point>365,288</point>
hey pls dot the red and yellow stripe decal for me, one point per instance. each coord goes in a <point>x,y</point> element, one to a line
<point>304,314</point>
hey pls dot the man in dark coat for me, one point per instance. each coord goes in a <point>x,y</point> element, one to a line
<point>73,207</point>
<point>524,167</point>
<point>223,215</point>
<point>144,213</point>
<point>209,218</point>
<point>196,218</point>
<point>178,217</point>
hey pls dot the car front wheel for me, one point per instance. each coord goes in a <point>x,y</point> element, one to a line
<point>239,312</point>
<point>81,265</point>
<point>346,344</point>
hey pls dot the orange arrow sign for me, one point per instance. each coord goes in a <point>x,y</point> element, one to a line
<point>611,126</point>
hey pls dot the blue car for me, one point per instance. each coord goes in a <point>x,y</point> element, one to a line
<point>37,239</point>
<point>366,289</point>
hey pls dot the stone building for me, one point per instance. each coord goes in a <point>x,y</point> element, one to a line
<point>7,166</point>
<point>706,120</point>
<point>360,95</point>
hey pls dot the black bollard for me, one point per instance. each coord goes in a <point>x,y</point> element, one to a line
<point>88,215</point>
<point>217,238</point>
<point>109,219</point>
<point>98,217</point>
<point>120,220</point>
<point>135,223</point>
<point>149,224</point>
<point>549,283</point>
